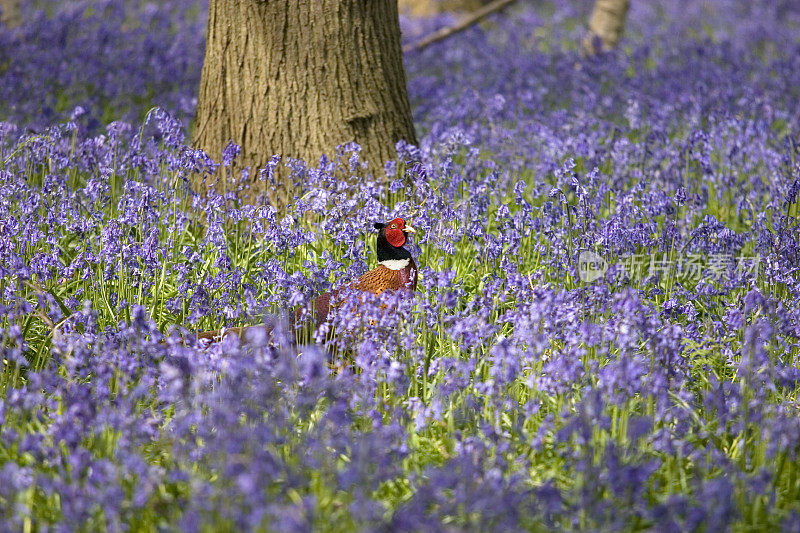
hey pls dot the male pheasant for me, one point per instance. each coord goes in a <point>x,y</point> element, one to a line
<point>396,270</point>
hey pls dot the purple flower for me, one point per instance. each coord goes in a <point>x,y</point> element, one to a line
<point>230,153</point>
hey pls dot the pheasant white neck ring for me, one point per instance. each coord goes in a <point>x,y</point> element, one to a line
<point>395,264</point>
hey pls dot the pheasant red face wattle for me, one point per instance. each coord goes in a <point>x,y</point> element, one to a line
<point>396,232</point>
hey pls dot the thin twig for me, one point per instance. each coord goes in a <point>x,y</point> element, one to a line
<point>469,20</point>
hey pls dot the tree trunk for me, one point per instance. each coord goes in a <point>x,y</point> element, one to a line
<point>298,77</point>
<point>11,15</point>
<point>606,25</point>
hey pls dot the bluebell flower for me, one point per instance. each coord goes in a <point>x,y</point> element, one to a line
<point>230,153</point>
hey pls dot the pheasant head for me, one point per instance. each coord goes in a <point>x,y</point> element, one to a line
<point>391,244</point>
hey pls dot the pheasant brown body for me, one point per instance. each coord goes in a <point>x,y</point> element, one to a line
<point>376,281</point>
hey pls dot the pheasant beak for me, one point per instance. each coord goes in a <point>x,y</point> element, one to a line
<point>409,229</point>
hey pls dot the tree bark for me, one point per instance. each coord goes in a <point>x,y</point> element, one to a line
<point>299,77</point>
<point>11,16</point>
<point>606,26</point>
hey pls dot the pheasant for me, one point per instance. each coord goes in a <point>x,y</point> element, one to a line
<point>396,270</point>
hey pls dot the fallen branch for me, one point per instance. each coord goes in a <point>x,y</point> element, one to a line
<point>469,20</point>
